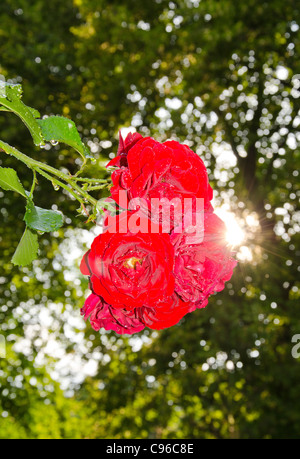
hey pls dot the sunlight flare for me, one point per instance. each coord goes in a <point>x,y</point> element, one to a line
<point>235,235</point>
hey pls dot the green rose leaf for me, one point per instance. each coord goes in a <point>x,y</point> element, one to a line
<point>10,99</point>
<point>61,129</point>
<point>43,220</point>
<point>9,181</point>
<point>27,249</point>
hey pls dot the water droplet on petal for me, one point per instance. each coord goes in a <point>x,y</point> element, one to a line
<point>53,142</point>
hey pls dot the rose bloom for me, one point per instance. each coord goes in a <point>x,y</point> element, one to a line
<point>132,269</point>
<point>202,266</point>
<point>149,169</point>
<point>132,280</point>
<point>152,278</point>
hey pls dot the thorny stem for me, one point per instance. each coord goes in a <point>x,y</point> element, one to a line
<point>74,189</point>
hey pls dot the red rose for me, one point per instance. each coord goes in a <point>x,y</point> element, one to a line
<point>133,269</point>
<point>202,267</point>
<point>168,170</point>
<point>141,273</point>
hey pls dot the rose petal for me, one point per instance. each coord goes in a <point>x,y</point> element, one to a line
<point>102,315</point>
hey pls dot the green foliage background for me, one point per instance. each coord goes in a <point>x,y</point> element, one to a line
<point>225,371</point>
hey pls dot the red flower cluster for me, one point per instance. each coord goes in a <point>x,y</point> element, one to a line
<point>142,276</point>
